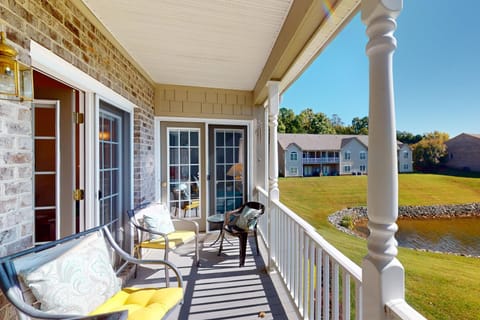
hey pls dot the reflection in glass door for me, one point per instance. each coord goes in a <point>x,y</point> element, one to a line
<point>229,169</point>
<point>184,172</point>
<point>46,179</point>
<point>110,164</point>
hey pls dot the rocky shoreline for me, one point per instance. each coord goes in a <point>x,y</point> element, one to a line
<point>408,212</point>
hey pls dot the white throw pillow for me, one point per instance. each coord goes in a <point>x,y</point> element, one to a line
<point>156,217</point>
<point>76,282</point>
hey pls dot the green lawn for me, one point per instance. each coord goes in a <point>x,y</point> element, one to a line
<point>437,285</point>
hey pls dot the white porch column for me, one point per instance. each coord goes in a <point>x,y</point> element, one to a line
<point>273,191</point>
<point>383,274</point>
<point>273,107</point>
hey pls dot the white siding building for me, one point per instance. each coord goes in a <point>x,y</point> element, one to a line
<point>326,154</point>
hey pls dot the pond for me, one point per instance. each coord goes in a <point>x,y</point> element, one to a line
<point>459,235</point>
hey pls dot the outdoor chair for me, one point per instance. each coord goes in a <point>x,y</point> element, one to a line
<point>239,223</point>
<point>155,229</point>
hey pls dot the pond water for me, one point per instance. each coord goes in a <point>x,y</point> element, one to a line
<point>459,235</point>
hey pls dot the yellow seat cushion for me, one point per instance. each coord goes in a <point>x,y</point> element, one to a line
<point>142,303</point>
<point>175,239</point>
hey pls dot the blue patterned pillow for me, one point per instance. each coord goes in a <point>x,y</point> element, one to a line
<point>246,219</point>
<point>77,281</point>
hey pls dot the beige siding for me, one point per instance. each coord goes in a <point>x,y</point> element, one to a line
<point>195,102</point>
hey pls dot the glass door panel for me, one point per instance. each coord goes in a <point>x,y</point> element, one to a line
<point>46,120</point>
<point>184,172</point>
<point>110,166</point>
<point>229,169</point>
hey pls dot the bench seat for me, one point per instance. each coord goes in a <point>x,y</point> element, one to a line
<point>75,277</point>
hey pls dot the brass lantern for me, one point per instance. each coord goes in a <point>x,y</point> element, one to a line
<point>16,79</point>
<point>8,68</point>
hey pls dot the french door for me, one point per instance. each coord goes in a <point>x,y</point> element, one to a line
<point>110,166</point>
<point>228,168</point>
<point>183,167</point>
<point>114,168</point>
<point>46,170</point>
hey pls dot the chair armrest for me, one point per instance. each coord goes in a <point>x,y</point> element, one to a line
<point>129,258</point>
<point>184,224</point>
<point>163,235</point>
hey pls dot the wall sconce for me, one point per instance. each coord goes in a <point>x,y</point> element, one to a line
<point>16,79</point>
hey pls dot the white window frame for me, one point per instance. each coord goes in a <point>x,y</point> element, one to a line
<point>293,154</point>
<point>405,154</point>
<point>363,155</point>
<point>293,171</point>
<point>347,168</point>
<point>347,155</point>
<point>406,166</point>
<point>363,168</point>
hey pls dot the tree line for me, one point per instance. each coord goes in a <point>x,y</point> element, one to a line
<point>429,149</point>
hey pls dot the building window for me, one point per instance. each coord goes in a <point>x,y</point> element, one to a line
<point>346,168</point>
<point>405,166</point>
<point>293,156</point>
<point>405,154</point>
<point>363,168</point>
<point>363,155</point>
<point>347,155</point>
<point>294,171</point>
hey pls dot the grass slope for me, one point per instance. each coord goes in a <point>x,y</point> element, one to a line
<point>437,285</point>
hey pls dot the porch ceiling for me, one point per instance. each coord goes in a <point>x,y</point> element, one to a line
<point>234,44</point>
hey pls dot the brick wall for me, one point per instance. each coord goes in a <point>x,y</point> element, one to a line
<point>16,212</point>
<point>61,27</point>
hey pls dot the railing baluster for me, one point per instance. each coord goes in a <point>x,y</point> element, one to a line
<point>291,256</point>
<point>319,284</point>
<point>326,286</point>
<point>305,273</point>
<point>311,280</point>
<point>358,301</point>
<point>345,295</point>
<point>296,263</point>
<point>335,292</point>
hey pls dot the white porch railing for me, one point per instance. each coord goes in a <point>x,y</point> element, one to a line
<point>323,283</point>
<point>321,160</point>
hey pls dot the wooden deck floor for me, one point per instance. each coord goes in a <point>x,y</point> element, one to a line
<point>219,289</point>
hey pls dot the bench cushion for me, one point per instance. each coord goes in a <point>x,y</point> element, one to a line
<point>77,281</point>
<point>142,303</point>
<point>174,239</point>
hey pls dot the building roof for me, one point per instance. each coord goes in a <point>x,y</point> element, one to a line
<point>319,141</point>
<point>454,139</point>
<point>312,142</point>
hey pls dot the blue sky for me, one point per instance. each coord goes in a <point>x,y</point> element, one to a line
<point>436,70</point>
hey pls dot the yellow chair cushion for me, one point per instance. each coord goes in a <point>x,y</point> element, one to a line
<point>142,303</point>
<point>175,239</point>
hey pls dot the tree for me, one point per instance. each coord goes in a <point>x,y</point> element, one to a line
<point>286,119</point>
<point>408,138</point>
<point>431,151</point>
<point>360,125</point>
<point>320,124</point>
